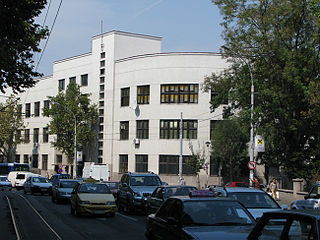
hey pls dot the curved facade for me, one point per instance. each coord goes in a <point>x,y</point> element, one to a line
<point>141,94</point>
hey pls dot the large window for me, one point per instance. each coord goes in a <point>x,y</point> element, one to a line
<point>143,94</point>
<point>44,162</point>
<point>169,164</point>
<point>45,135</point>
<point>28,110</point>
<point>170,129</point>
<point>212,127</point>
<point>27,135</point>
<point>179,93</point>
<point>142,129</point>
<point>123,163</point>
<point>37,109</point>
<point>72,79</point>
<point>35,161</point>
<point>84,80</point>
<point>125,95</point>
<point>124,130</point>
<point>141,163</point>
<point>36,135</point>
<point>61,84</point>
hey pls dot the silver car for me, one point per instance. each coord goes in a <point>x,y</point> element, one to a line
<point>62,190</point>
<point>5,184</point>
<point>37,184</point>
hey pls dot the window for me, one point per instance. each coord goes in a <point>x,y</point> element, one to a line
<point>143,94</point>
<point>17,159</point>
<point>102,63</point>
<point>59,158</point>
<point>215,170</point>
<point>101,103</point>
<point>101,95</point>
<point>100,159</point>
<point>170,129</point>
<point>141,163</point>
<point>72,79</point>
<point>101,88</point>
<point>125,94</point>
<point>18,135</point>
<point>46,104</point>
<point>25,158</point>
<point>124,130</point>
<point>100,128</point>
<point>27,135</point>
<point>123,163</point>
<point>37,109</point>
<point>36,135</point>
<point>102,71</point>
<point>142,129</point>
<point>213,124</point>
<point>101,79</point>
<point>45,135</point>
<point>100,120</point>
<point>100,144</point>
<point>102,55</point>
<point>44,162</point>
<point>169,164</point>
<point>100,136</point>
<point>35,161</point>
<point>100,152</point>
<point>179,93</point>
<point>101,111</point>
<point>84,80</point>
<point>28,110</point>
<point>61,84</point>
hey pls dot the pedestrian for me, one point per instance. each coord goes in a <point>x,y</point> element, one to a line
<point>273,187</point>
<point>183,182</point>
<point>256,183</point>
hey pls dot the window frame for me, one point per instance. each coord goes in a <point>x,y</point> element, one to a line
<point>142,129</point>
<point>141,163</point>
<point>143,94</point>
<point>84,80</point>
<point>170,129</point>
<point>123,163</point>
<point>179,93</point>
<point>125,97</point>
<point>124,130</point>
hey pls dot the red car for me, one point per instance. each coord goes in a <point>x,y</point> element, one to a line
<point>237,184</point>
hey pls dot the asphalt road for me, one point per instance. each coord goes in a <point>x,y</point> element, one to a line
<point>37,217</point>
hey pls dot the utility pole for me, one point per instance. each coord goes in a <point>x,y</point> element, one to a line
<point>180,157</point>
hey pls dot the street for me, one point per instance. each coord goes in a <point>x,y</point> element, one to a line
<point>36,217</point>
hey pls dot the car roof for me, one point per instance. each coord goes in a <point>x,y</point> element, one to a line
<point>176,186</point>
<point>188,199</point>
<point>68,180</point>
<point>142,174</point>
<point>314,213</point>
<point>242,189</point>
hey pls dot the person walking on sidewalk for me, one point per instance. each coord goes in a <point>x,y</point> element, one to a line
<point>273,187</point>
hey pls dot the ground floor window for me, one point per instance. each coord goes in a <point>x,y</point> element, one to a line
<point>35,161</point>
<point>169,164</point>
<point>123,163</point>
<point>141,163</point>
<point>44,162</point>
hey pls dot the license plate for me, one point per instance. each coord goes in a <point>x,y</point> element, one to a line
<point>43,190</point>
<point>98,212</point>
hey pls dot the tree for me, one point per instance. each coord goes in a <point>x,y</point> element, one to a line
<point>197,160</point>
<point>228,146</point>
<point>66,109</point>
<point>11,125</point>
<point>19,40</point>
<point>279,40</point>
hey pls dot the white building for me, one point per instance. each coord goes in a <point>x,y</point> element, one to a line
<point>141,94</point>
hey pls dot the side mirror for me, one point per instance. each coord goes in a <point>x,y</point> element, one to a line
<point>165,183</point>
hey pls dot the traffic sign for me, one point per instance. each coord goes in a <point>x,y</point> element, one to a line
<point>252,165</point>
<point>60,170</point>
<point>259,145</point>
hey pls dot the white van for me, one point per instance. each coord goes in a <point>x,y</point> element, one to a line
<point>17,178</point>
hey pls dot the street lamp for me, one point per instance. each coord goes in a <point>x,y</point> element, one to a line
<point>251,144</point>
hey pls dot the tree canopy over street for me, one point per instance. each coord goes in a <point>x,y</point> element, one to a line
<point>279,42</point>
<point>67,109</point>
<point>19,40</point>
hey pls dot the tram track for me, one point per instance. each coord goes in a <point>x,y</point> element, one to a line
<point>27,222</point>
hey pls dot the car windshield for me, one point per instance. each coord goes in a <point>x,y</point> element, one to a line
<point>145,181</point>
<point>94,188</point>
<point>254,199</point>
<point>64,177</point>
<point>112,185</point>
<point>178,191</point>
<point>3,179</point>
<point>39,180</point>
<point>20,176</point>
<point>215,213</point>
<point>67,184</point>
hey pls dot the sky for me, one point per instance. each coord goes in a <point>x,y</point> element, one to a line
<point>184,25</point>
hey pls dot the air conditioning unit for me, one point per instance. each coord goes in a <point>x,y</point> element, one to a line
<point>136,141</point>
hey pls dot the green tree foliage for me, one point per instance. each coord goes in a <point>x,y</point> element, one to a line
<point>11,125</point>
<point>279,40</point>
<point>19,40</point>
<point>228,146</point>
<point>64,109</point>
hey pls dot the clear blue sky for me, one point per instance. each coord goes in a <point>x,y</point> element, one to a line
<point>184,25</point>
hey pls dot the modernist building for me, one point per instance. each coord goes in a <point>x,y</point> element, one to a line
<point>141,93</point>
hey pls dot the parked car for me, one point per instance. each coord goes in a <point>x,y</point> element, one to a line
<point>255,200</point>
<point>114,187</point>
<point>162,193</point>
<point>200,217</point>
<point>36,184</point>
<point>5,184</point>
<point>92,198</point>
<point>62,190</point>
<point>134,188</point>
<point>289,224</point>
<point>237,184</point>
<point>54,179</point>
<point>310,201</point>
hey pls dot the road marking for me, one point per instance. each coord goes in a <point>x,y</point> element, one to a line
<point>125,216</point>
<point>55,233</point>
<point>13,220</point>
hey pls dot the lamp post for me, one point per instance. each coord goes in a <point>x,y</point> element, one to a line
<point>251,144</point>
